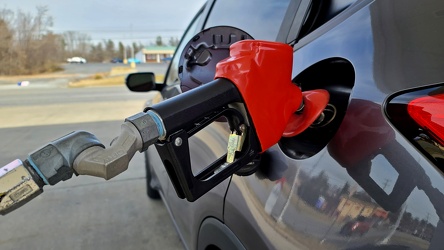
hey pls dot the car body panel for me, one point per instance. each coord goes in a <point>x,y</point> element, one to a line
<point>365,168</point>
<point>385,59</point>
<point>189,215</point>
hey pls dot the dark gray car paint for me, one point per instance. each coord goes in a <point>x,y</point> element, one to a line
<point>392,46</point>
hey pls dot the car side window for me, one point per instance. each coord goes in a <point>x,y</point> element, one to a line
<point>259,18</point>
<point>173,75</point>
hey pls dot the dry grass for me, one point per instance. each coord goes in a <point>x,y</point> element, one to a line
<point>100,80</point>
<point>122,70</point>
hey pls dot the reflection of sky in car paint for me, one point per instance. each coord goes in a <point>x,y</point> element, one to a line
<point>124,21</point>
<point>357,34</point>
<point>337,43</point>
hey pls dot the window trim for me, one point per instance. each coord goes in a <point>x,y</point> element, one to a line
<point>203,14</point>
<point>296,13</point>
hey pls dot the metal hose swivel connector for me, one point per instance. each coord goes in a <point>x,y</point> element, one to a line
<point>137,133</point>
<point>79,153</point>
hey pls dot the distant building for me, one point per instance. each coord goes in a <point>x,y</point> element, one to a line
<point>155,54</point>
<point>350,207</point>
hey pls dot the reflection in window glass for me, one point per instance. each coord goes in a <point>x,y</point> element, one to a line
<point>173,74</point>
<point>262,22</point>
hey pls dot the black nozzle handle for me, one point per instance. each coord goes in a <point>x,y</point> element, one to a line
<point>182,111</point>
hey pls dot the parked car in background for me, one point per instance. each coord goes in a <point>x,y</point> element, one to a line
<point>378,153</point>
<point>135,60</point>
<point>76,59</point>
<point>116,60</point>
<point>167,59</point>
<point>360,226</point>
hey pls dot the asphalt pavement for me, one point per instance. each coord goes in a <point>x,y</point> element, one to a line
<point>83,212</point>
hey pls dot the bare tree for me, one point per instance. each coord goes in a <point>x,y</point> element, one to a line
<point>69,39</point>
<point>6,37</point>
<point>42,21</point>
<point>159,41</point>
<point>137,47</point>
<point>23,29</point>
<point>7,16</point>
<point>27,45</point>
<point>174,41</point>
<point>84,43</point>
<point>110,49</point>
<point>97,53</point>
<point>77,43</point>
<point>121,52</point>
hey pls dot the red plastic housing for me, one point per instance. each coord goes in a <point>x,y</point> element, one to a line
<point>261,70</point>
<point>315,102</point>
<point>428,112</point>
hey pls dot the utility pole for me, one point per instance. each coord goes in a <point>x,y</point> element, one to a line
<point>133,63</point>
<point>387,181</point>
<point>296,179</point>
<point>125,59</point>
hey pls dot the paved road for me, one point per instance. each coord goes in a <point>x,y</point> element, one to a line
<point>84,212</point>
<point>92,68</point>
<point>73,72</point>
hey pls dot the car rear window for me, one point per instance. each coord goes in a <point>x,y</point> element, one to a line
<point>259,18</point>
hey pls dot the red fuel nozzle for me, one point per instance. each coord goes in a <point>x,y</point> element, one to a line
<point>257,74</point>
<point>261,70</point>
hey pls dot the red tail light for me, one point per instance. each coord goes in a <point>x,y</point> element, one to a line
<point>428,112</point>
<point>418,114</point>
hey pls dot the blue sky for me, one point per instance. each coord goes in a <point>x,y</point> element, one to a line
<point>126,21</point>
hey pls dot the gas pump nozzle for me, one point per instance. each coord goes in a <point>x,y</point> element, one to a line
<point>252,90</point>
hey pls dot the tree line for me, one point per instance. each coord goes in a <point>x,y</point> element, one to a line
<point>28,46</point>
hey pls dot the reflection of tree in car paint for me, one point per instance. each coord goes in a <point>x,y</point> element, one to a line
<point>369,201</point>
<point>380,140</point>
